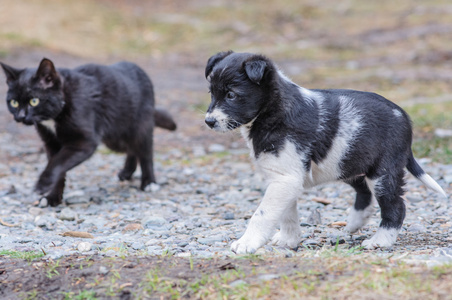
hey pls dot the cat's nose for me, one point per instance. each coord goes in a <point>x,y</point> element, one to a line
<point>20,116</point>
<point>211,122</point>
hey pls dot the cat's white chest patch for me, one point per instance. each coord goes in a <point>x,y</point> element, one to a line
<point>49,124</point>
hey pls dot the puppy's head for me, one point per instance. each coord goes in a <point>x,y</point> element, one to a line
<point>239,85</point>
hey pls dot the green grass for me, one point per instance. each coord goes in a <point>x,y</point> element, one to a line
<point>427,117</point>
<point>82,295</point>
<point>25,255</point>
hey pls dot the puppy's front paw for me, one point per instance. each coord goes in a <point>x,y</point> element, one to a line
<point>246,245</point>
<point>286,241</point>
<point>383,238</point>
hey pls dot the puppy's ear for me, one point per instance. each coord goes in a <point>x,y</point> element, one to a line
<point>215,59</point>
<point>47,74</point>
<point>255,69</point>
<point>11,73</point>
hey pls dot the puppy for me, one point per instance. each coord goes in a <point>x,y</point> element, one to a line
<point>299,138</point>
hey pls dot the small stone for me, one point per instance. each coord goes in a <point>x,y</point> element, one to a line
<point>183,254</point>
<point>315,218</point>
<point>43,202</point>
<point>76,197</point>
<point>416,228</point>
<point>154,222</point>
<point>153,187</point>
<point>35,211</point>
<point>216,148</point>
<point>103,270</point>
<point>336,241</point>
<point>84,247</point>
<point>323,201</point>
<point>229,216</point>
<point>67,214</point>
<point>137,246</point>
<point>448,178</point>
<point>11,190</point>
<point>188,171</point>
<point>311,242</point>
<point>267,277</point>
<point>45,221</point>
<point>443,133</point>
<point>111,253</point>
<point>237,283</point>
<point>55,255</point>
<point>199,151</point>
<point>133,227</point>
<point>414,198</point>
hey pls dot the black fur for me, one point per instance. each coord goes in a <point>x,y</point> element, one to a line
<point>89,104</point>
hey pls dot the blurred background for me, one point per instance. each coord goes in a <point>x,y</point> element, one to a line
<point>399,49</point>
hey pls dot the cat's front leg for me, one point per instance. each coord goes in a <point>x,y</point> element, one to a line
<point>67,158</point>
<point>55,197</point>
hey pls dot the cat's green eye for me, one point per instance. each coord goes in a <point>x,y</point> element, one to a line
<point>14,103</point>
<point>34,101</point>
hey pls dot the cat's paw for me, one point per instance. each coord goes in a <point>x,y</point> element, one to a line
<point>125,174</point>
<point>145,182</point>
<point>44,185</point>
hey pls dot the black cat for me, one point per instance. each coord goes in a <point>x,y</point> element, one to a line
<point>89,104</point>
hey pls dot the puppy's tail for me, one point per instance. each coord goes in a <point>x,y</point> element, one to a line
<point>163,119</point>
<point>414,168</point>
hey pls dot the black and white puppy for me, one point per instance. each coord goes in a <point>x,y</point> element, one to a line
<point>299,138</point>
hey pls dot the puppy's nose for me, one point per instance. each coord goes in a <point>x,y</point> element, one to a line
<point>211,122</point>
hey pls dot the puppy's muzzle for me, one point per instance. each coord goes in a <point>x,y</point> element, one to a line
<point>211,122</point>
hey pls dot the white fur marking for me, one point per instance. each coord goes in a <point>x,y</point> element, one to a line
<point>432,184</point>
<point>49,124</point>
<point>284,77</point>
<point>397,112</point>
<point>358,218</point>
<point>284,174</point>
<point>221,118</point>
<point>349,125</point>
<point>382,238</point>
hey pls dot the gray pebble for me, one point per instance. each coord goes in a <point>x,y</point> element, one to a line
<point>216,148</point>
<point>67,214</point>
<point>416,228</point>
<point>103,270</point>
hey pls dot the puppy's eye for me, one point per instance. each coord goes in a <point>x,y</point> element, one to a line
<point>34,101</point>
<point>230,95</point>
<point>14,103</point>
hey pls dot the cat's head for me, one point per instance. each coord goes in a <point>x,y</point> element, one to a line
<point>34,95</point>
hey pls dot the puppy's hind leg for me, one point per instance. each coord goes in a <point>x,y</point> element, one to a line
<point>388,191</point>
<point>362,209</point>
<point>290,231</point>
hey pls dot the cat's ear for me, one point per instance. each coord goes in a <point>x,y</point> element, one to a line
<point>47,74</point>
<point>11,73</point>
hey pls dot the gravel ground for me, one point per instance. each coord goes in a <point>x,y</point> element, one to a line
<point>203,200</point>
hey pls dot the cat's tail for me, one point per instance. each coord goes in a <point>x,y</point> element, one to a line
<point>420,174</point>
<point>163,119</point>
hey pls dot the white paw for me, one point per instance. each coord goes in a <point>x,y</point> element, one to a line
<point>246,245</point>
<point>383,238</point>
<point>358,218</point>
<point>284,240</point>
